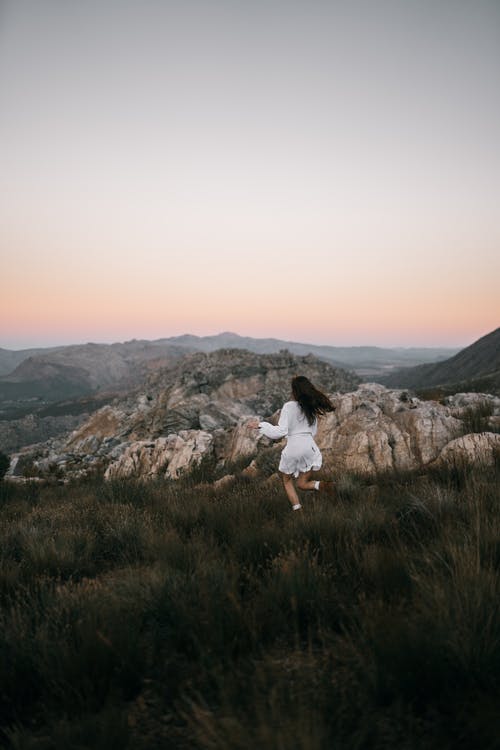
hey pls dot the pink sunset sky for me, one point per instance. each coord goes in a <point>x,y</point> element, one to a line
<point>322,172</point>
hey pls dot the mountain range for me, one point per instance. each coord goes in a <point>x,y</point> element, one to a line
<point>364,360</point>
<point>475,368</point>
<point>78,370</point>
<point>54,391</point>
<point>65,372</point>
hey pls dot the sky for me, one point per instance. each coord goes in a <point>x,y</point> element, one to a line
<point>315,171</point>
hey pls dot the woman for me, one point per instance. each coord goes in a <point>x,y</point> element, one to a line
<point>299,422</point>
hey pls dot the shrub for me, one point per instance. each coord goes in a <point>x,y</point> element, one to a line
<point>267,461</point>
<point>477,418</point>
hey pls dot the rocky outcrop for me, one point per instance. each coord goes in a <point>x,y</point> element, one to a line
<point>203,407</point>
<point>213,391</point>
<point>105,423</point>
<point>244,441</point>
<point>479,449</point>
<point>162,428</point>
<point>374,429</point>
<point>168,456</point>
<point>482,408</point>
<point>206,392</point>
<point>461,401</point>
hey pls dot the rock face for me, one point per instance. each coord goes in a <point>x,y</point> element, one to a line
<point>374,429</point>
<point>211,393</point>
<point>103,424</point>
<point>243,442</point>
<point>480,449</point>
<point>167,457</point>
<point>203,407</point>
<point>214,390</point>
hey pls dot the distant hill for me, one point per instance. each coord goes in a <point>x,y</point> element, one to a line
<point>475,368</point>
<point>364,360</point>
<point>10,358</point>
<point>74,371</point>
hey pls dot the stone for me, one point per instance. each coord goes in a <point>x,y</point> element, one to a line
<point>195,445</point>
<point>251,470</point>
<point>459,402</point>
<point>244,440</point>
<point>224,482</point>
<point>167,456</point>
<point>477,448</point>
<point>374,430</point>
<point>103,424</point>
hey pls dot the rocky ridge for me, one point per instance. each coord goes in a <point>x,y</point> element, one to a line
<point>203,391</point>
<point>201,408</point>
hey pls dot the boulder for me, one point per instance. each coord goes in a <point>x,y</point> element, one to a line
<point>459,402</point>
<point>167,456</point>
<point>105,423</point>
<point>478,448</point>
<point>374,429</point>
<point>481,408</point>
<point>224,482</point>
<point>244,440</point>
<point>251,471</point>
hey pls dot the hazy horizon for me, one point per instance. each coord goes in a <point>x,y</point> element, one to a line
<point>320,172</point>
<point>34,344</point>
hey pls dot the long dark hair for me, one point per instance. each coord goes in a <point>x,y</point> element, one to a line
<point>313,403</point>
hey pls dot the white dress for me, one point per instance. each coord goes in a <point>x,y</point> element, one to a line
<point>301,452</point>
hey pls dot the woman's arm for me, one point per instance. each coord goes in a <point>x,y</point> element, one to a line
<point>278,431</point>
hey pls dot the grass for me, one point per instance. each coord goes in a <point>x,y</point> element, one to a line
<point>477,418</point>
<point>164,615</point>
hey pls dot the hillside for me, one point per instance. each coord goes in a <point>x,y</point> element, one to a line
<point>202,393</point>
<point>213,390</point>
<point>475,368</point>
<point>364,360</point>
<point>11,358</point>
<point>74,371</point>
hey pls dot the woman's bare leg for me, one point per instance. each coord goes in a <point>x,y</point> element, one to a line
<point>304,482</point>
<point>290,489</point>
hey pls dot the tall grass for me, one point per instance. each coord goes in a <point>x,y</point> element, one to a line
<point>476,418</point>
<point>164,615</point>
